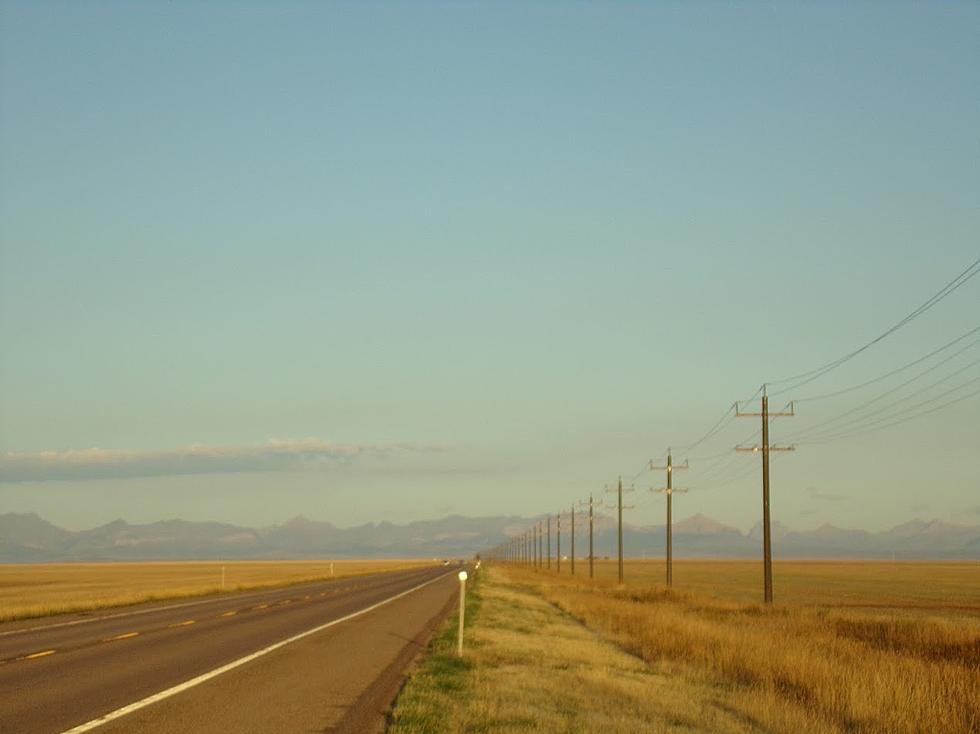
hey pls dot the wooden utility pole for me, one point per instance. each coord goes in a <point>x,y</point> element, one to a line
<point>619,510</point>
<point>669,491</point>
<point>558,554</point>
<point>549,542</point>
<point>620,531</point>
<point>591,527</point>
<point>572,523</point>
<point>588,504</point>
<point>765,448</point>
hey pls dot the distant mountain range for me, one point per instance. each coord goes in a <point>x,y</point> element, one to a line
<point>29,538</point>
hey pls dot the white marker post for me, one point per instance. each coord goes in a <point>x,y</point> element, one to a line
<point>462,608</point>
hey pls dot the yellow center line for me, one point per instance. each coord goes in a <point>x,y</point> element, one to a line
<point>230,614</point>
<point>124,636</point>
<point>42,654</point>
<point>182,624</point>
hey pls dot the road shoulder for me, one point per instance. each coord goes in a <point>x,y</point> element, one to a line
<point>338,680</point>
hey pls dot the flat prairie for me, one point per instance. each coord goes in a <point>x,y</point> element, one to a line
<point>871,647</point>
<point>944,588</point>
<point>40,589</point>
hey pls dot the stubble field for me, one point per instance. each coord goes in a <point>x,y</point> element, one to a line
<point>905,587</point>
<point>40,589</point>
<point>849,646</point>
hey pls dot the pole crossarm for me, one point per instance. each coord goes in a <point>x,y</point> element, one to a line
<point>770,414</point>
<point>756,449</point>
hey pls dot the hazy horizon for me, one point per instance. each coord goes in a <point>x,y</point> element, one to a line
<point>678,520</point>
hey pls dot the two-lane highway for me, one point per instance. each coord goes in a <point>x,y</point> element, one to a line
<point>326,655</point>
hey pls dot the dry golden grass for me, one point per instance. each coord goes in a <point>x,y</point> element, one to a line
<point>41,589</point>
<point>871,648</point>
<point>530,668</point>
<point>951,588</point>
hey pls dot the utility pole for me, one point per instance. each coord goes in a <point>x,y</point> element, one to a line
<point>572,522</point>
<point>619,507</point>
<point>558,554</point>
<point>549,542</point>
<point>669,491</point>
<point>765,448</point>
<point>620,532</point>
<point>540,546</point>
<point>591,526</point>
<point>591,529</point>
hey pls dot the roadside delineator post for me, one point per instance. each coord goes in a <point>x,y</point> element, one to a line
<point>462,608</point>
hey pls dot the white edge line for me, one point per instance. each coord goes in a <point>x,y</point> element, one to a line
<point>210,600</point>
<point>120,712</point>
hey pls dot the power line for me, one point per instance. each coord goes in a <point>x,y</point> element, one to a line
<point>726,419</point>
<point>885,376</point>
<point>837,418</point>
<point>806,377</point>
<point>903,420</point>
<point>748,469</point>
<point>854,431</point>
<point>722,423</point>
<point>726,452</point>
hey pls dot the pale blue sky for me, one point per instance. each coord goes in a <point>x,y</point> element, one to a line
<point>533,244</point>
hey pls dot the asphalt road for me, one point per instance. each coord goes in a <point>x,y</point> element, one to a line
<point>220,665</point>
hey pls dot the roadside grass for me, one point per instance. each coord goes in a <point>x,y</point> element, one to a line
<point>795,668</point>
<point>42,589</point>
<point>528,667</point>
<point>429,699</point>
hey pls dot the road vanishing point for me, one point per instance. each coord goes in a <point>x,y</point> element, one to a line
<point>322,657</point>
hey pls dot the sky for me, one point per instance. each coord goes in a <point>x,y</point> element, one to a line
<point>391,261</point>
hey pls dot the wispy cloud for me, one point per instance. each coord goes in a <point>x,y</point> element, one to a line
<point>816,494</point>
<point>276,455</point>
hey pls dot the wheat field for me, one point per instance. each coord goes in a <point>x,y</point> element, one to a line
<point>40,589</point>
<point>849,647</point>
<point>913,587</point>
